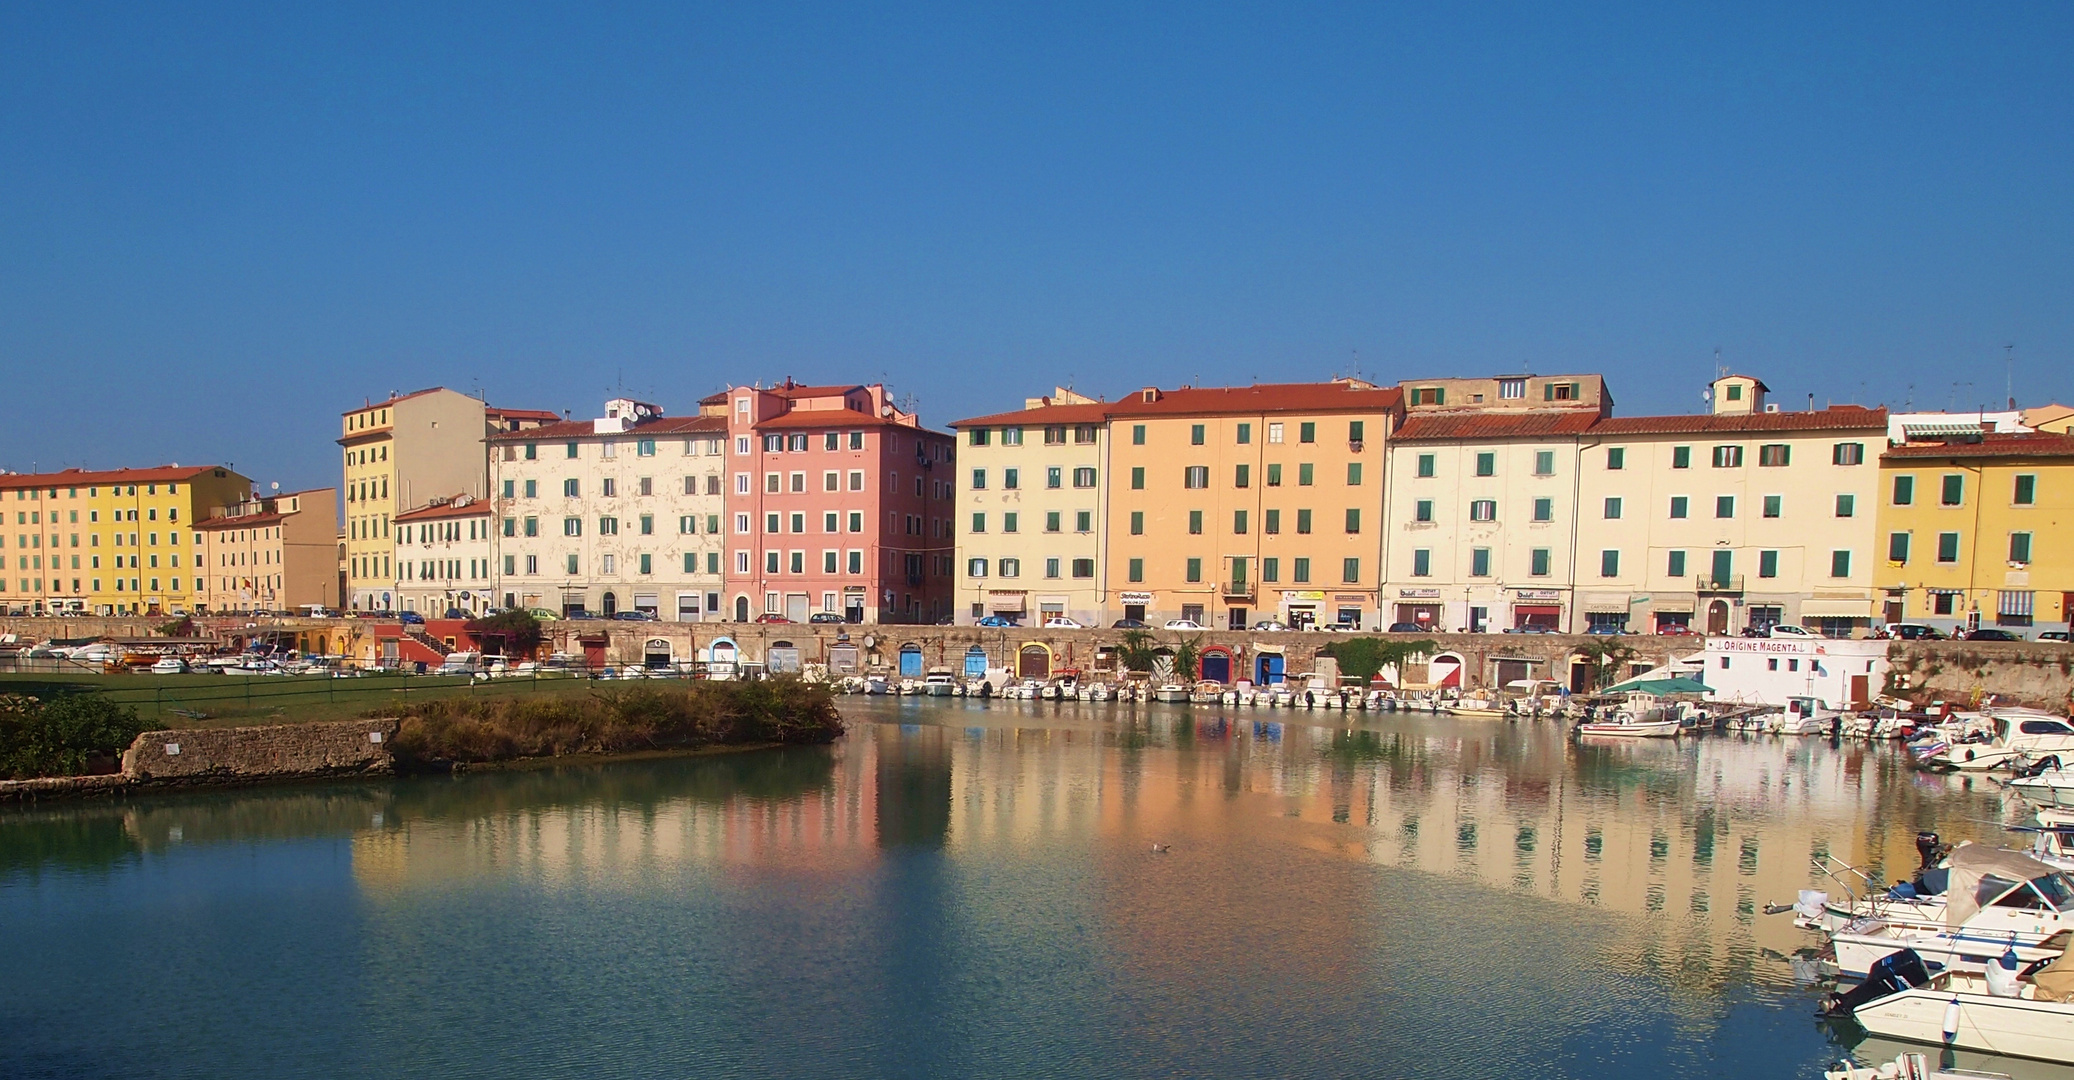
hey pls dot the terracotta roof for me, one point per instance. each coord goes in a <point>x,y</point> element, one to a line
<point>1833,418</point>
<point>548,415</point>
<point>584,429</point>
<point>1259,398</point>
<point>1095,413</point>
<point>2025,444</point>
<point>789,389</point>
<point>1495,425</point>
<point>83,478</point>
<point>245,521</point>
<point>392,399</point>
<point>799,419</point>
<point>442,511</point>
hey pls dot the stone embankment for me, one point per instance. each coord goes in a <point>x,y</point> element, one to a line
<point>245,755</point>
<point>2037,673</point>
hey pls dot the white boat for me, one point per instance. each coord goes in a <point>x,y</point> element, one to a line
<point>2053,788</point>
<point>1995,899</point>
<point>2006,1011</point>
<point>939,683</point>
<point>877,684</point>
<point>1479,708</point>
<point>1631,729</point>
<point>169,665</point>
<point>1171,693</point>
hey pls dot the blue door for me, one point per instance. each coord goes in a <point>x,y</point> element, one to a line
<point>910,661</point>
<point>975,662</point>
<point>1269,667</point>
<point>1217,667</point>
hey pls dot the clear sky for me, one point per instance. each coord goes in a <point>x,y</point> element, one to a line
<point>222,224</point>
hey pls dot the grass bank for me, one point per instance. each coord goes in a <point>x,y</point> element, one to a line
<point>614,719</point>
<point>203,701</point>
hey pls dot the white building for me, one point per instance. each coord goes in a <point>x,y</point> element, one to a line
<point>1839,673</point>
<point>443,557</point>
<point>620,513</point>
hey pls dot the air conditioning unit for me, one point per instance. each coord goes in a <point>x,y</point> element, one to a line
<point>1771,407</point>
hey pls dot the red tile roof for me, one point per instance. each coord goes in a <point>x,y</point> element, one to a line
<point>584,429</point>
<point>791,390</point>
<point>799,419</point>
<point>1537,424</point>
<point>548,415</point>
<point>83,478</point>
<point>245,521</point>
<point>1833,418</point>
<point>2014,445</point>
<point>1259,398</point>
<point>1049,414</point>
<point>445,510</point>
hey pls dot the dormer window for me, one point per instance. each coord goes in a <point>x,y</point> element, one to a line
<point>1512,389</point>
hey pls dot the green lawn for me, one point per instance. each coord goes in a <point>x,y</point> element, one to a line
<point>178,701</point>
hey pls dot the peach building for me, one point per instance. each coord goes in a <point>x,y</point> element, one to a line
<point>271,553</point>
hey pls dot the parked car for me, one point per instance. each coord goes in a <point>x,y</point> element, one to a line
<point>1908,631</point>
<point>824,617</point>
<point>1270,625</point>
<point>1531,628</point>
<point>1608,631</point>
<point>1787,630</point>
<point>2053,635</point>
<point>541,614</point>
<point>772,617</point>
<point>1183,624</point>
<point>998,620</point>
<point>1060,622</point>
<point>580,613</point>
<point>461,663</point>
<point>635,616</point>
<point>1676,629</point>
<point>1341,628</point>
<point>1127,624</point>
<point>411,618</point>
<point>1990,633</point>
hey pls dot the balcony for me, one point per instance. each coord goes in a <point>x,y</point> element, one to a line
<point>1716,583</point>
<point>1238,590</point>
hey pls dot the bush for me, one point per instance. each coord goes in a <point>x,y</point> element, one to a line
<point>520,631</point>
<point>618,720</point>
<point>57,737</point>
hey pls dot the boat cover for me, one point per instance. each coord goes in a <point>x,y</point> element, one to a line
<point>1970,863</point>
<point>2055,983</point>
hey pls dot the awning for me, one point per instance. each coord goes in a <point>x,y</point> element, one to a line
<point>1551,610</point>
<point>1659,686</point>
<point>1683,604</point>
<point>1007,601</point>
<point>1836,609</point>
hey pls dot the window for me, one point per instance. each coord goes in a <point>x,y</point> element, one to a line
<point>1774,455</point>
<point>1537,562</point>
<point>1350,570</point>
<point>857,479</point>
<point>1083,568</point>
<point>1084,478</point>
<point>1425,465</point>
<point>1055,435</point>
<point>1724,506</point>
<point>1051,521</point>
<point>1897,548</point>
<point>1728,457</point>
<point>1609,564</point>
<point>572,564</point>
<point>1954,493</point>
<point>1271,522</point>
<point>1846,506</point>
<point>770,562</point>
<point>1681,457</point>
<point>1544,509</point>
<point>1356,429</point>
<point>1486,464</point>
<point>976,567</point>
<point>1135,570</point>
<point>1421,562</point>
<point>1839,564</point>
<point>831,521</point>
<point>1274,476</point>
<point>1428,395</point>
<point>1544,463</point>
<point>1482,510</point>
<point>1904,490</point>
<point>1270,570</point>
<point>647,524</point>
<point>1560,392</point>
<point>1678,506</point>
<point>1011,479</point>
<point>2026,491</point>
<point>1422,510</point>
<point>1010,436</point>
<point>1616,457</point>
<point>608,526</point>
<point>1137,523</point>
<point>770,523</point>
<point>1847,453</point>
<point>1196,476</point>
<point>532,489</point>
<point>1353,473</point>
<point>532,526</point>
<point>1613,509</point>
<point>1195,435</point>
<point>1242,476</point>
<point>853,560</point>
<point>1300,571</point>
<point>1084,521</point>
<point>1137,478</point>
<point>1307,432</point>
<point>572,526</point>
<point>1008,521</point>
<point>1480,562</point>
<point>975,437</point>
<point>532,451</point>
<point>571,488</point>
<point>1674,564</point>
<point>1948,547</point>
<point>1509,389</point>
<point>571,449</point>
<point>1195,523</point>
<point>1054,477</point>
<point>1238,522</point>
<point>979,522</point>
<point>1303,522</point>
<point>1353,521</point>
<point>979,480</point>
<point>1137,434</point>
<point>772,483</point>
<point>510,489</point>
<point>2020,547</point>
<point>1195,570</point>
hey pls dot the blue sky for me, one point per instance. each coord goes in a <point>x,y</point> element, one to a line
<point>221,225</point>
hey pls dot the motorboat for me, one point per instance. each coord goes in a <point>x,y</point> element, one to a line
<point>939,683</point>
<point>877,684</point>
<point>1478,708</point>
<point>2010,1009</point>
<point>1620,725</point>
<point>2012,736</point>
<point>1807,716</point>
<point>169,665</point>
<point>2053,788</point>
<point>1171,693</point>
<point>1957,917</point>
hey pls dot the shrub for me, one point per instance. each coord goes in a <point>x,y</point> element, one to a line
<point>520,631</point>
<point>56,738</point>
<point>617,720</point>
<point>1363,657</point>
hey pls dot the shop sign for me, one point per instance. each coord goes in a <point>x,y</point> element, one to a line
<point>1418,594</point>
<point>1353,598</point>
<point>1134,597</point>
<point>1537,594</point>
<point>1305,595</point>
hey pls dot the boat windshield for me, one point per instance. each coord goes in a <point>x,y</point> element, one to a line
<point>2047,892</point>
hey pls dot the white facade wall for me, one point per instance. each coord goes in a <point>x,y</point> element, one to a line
<point>1770,670</point>
<point>1526,505</point>
<point>445,563</point>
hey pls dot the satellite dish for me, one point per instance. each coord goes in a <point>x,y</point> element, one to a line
<point>276,485</point>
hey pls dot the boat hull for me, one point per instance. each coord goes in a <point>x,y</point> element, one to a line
<point>1657,729</point>
<point>2013,1027</point>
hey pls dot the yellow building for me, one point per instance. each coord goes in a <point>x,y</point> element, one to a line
<point>1032,513</point>
<point>110,542</point>
<point>1233,504</point>
<point>270,553</point>
<point>1978,531</point>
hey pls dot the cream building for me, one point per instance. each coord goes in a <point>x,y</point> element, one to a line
<point>268,553</point>
<point>1742,517</point>
<point>399,453</point>
<point>443,557</point>
<point>1032,511</point>
<point>620,513</point>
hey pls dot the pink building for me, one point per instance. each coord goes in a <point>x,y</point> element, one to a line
<point>839,505</point>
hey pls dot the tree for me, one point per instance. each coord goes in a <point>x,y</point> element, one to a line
<point>520,631</point>
<point>1135,651</point>
<point>1364,657</point>
<point>1606,656</point>
<point>1188,655</point>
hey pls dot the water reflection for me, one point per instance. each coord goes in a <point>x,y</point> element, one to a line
<point>966,889</point>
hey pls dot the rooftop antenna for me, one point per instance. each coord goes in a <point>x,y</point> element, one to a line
<point>2009,373</point>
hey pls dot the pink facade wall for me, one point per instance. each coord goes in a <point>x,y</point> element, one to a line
<point>893,549</point>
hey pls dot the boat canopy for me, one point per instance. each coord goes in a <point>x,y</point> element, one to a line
<point>1983,876</point>
<point>1677,684</point>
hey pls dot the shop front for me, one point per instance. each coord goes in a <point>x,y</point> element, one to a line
<point>1351,609</point>
<point>1302,608</point>
<point>1008,604</point>
<point>1538,610</point>
<point>1135,604</point>
<point>1418,607</point>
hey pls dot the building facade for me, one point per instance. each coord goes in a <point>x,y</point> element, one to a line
<point>622,513</point>
<point>839,503</point>
<point>1975,531</point>
<point>109,542</point>
<point>401,452</point>
<point>1033,512</point>
<point>270,553</point>
<point>444,558</point>
<point>1230,505</point>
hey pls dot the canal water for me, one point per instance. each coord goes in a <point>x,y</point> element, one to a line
<point>968,889</point>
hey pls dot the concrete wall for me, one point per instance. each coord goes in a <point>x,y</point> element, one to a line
<point>2029,673</point>
<point>224,755</point>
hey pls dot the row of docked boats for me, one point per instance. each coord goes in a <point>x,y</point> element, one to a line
<point>1289,694</point>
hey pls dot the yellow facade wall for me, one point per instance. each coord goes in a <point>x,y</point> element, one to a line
<point>1965,539</point>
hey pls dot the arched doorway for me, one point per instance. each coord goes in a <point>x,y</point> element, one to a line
<point>741,609</point>
<point>1033,662</point>
<point>1717,617</point>
<point>656,654</point>
<point>1215,665</point>
<point>1267,669</point>
<point>720,659</point>
<point>781,658</point>
<point>611,604</point>
<point>321,649</point>
<point>975,662</point>
<point>910,660</point>
<point>1444,670</point>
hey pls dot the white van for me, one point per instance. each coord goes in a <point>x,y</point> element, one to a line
<point>461,663</point>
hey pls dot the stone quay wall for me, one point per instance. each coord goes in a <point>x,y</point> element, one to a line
<point>245,754</point>
<point>2036,673</point>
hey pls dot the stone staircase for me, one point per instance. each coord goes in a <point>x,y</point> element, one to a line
<point>428,641</point>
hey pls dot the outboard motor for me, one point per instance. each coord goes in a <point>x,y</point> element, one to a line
<point>1890,974</point>
<point>1929,849</point>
